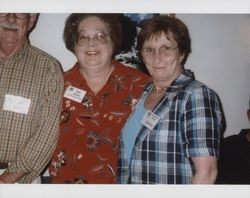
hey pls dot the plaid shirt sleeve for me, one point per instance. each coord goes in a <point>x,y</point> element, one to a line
<point>202,123</point>
<point>36,153</point>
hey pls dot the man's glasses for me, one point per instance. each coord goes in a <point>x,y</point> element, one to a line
<point>98,38</point>
<point>163,51</point>
<point>17,15</point>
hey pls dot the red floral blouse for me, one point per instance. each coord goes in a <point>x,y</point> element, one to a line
<point>87,151</point>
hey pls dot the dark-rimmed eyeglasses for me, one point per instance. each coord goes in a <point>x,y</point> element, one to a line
<point>163,51</point>
<point>99,38</point>
<point>17,15</point>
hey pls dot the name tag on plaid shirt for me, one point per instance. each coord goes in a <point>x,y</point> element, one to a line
<point>16,104</point>
<point>149,120</point>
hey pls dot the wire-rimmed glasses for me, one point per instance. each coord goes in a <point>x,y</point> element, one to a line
<point>17,15</point>
<point>99,38</point>
<point>164,51</point>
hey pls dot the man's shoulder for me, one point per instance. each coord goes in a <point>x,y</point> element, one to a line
<point>44,60</point>
<point>39,53</point>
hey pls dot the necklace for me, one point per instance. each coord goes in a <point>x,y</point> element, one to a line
<point>159,91</point>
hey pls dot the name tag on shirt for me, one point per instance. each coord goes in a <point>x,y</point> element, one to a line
<point>16,104</point>
<point>149,120</point>
<point>75,94</point>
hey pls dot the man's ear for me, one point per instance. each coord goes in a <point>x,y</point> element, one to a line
<point>32,21</point>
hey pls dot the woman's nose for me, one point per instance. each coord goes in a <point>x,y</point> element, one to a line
<point>157,56</point>
<point>91,41</point>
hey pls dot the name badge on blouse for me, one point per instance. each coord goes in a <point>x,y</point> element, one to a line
<point>149,120</point>
<point>75,94</point>
<point>16,104</point>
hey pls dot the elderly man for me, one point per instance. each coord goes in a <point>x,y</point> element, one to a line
<point>31,87</point>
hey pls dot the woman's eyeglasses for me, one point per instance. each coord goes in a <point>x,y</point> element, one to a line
<point>163,51</point>
<point>98,38</point>
<point>17,15</point>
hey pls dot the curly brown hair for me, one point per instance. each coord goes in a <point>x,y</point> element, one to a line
<point>113,24</point>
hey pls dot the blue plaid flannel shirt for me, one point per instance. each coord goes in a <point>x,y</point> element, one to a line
<point>189,126</point>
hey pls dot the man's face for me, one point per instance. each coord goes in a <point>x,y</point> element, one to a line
<point>13,30</point>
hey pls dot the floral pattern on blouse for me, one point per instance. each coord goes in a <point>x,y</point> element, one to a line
<point>88,147</point>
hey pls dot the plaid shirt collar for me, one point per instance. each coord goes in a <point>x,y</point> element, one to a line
<point>19,54</point>
<point>184,78</point>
